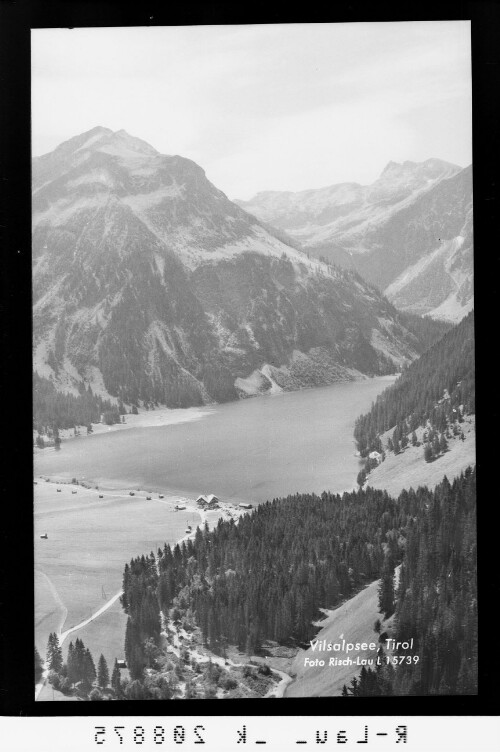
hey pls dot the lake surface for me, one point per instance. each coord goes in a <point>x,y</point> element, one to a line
<point>251,450</point>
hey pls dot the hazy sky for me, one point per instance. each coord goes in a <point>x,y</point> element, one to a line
<point>265,107</point>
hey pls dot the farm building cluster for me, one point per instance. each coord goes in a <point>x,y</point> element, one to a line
<point>208,501</point>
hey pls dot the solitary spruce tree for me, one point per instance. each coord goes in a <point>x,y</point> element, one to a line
<point>428,453</point>
<point>102,672</point>
<point>89,672</point>
<point>115,679</point>
<point>54,653</point>
<point>361,479</point>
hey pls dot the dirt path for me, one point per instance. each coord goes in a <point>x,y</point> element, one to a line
<point>104,608</point>
<point>279,689</point>
<point>56,597</point>
<point>172,633</point>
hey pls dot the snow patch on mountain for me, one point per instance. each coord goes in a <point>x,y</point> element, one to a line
<point>156,339</point>
<point>61,211</point>
<point>141,202</point>
<point>92,140</point>
<point>452,309</point>
<point>41,354</point>
<point>94,378</point>
<point>412,272</point>
<point>122,145</point>
<point>385,346</point>
<point>438,284</point>
<point>101,177</point>
<point>160,264</point>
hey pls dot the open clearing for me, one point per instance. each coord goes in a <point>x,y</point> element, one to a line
<point>353,621</point>
<point>410,470</point>
<point>105,635</point>
<point>80,565</point>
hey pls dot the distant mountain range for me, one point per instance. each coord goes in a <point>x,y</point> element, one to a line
<point>409,233</point>
<point>149,284</point>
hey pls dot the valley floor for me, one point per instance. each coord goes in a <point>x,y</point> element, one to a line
<point>86,530</point>
<point>78,569</point>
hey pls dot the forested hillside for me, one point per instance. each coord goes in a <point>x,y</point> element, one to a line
<point>300,553</point>
<point>436,598</point>
<point>435,389</point>
<point>53,410</point>
<point>427,330</point>
<point>267,577</point>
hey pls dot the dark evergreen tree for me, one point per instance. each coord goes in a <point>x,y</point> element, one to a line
<point>54,653</point>
<point>89,672</point>
<point>38,666</point>
<point>102,672</point>
<point>386,590</point>
<point>395,441</point>
<point>116,679</point>
<point>361,479</point>
<point>428,452</point>
<point>435,446</point>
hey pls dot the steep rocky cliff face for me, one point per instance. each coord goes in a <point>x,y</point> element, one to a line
<point>149,284</point>
<point>409,233</point>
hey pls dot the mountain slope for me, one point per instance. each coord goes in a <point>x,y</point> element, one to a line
<point>422,427</point>
<point>435,388</point>
<point>149,284</point>
<point>409,233</point>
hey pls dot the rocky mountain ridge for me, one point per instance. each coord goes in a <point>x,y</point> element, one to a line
<point>409,233</point>
<point>149,284</point>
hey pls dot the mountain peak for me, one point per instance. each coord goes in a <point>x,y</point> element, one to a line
<point>131,143</point>
<point>390,166</point>
<point>431,167</point>
<point>81,141</point>
<point>104,139</point>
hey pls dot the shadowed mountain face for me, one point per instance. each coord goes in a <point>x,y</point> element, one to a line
<point>149,284</point>
<point>409,233</point>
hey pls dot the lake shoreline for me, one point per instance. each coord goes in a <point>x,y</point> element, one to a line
<point>245,451</point>
<point>249,451</point>
<point>166,416</point>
